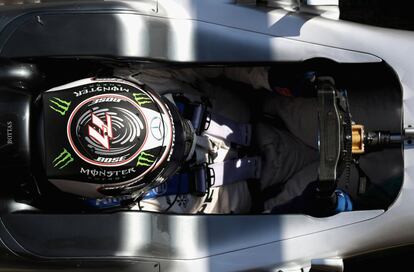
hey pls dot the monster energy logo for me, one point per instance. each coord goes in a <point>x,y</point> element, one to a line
<point>145,159</point>
<point>142,99</point>
<point>59,105</point>
<point>63,159</point>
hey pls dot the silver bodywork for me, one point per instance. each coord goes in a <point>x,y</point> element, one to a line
<point>222,31</point>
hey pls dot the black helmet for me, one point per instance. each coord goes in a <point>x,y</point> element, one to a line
<point>111,137</point>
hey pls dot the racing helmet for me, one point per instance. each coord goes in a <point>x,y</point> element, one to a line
<point>111,137</point>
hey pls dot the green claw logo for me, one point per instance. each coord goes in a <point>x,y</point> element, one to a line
<point>62,106</point>
<point>63,159</point>
<point>142,99</point>
<point>145,159</point>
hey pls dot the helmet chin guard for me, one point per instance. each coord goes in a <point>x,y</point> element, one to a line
<point>109,137</point>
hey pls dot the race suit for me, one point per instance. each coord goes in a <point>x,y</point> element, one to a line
<point>287,147</point>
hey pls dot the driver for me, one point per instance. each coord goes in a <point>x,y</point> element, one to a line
<point>182,148</point>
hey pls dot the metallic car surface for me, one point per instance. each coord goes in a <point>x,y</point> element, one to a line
<point>196,31</point>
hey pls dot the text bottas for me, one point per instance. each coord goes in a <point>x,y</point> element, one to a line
<point>9,132</point>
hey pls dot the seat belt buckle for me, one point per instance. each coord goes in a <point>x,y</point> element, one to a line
<point>201,118</point>
<point>203,179</point>
<point>195,112</point>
